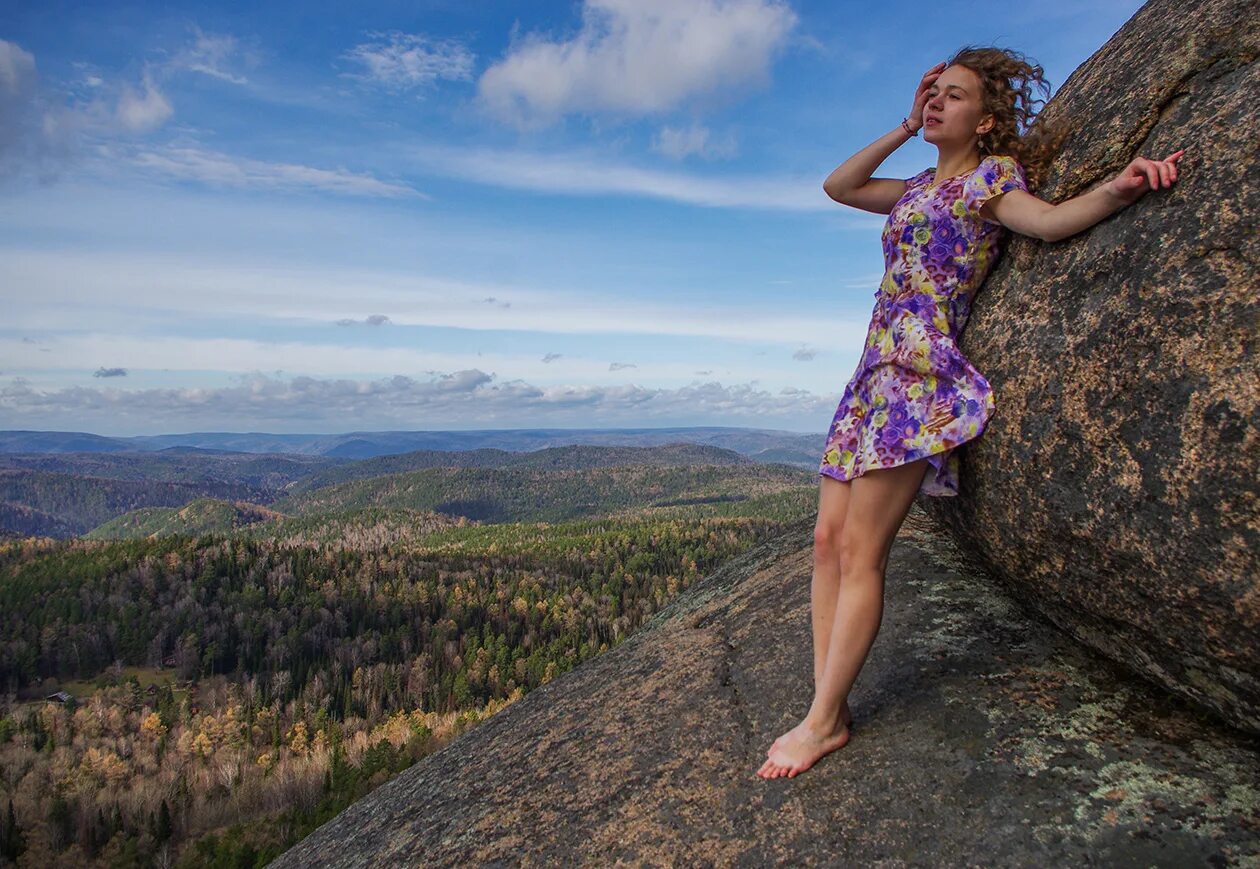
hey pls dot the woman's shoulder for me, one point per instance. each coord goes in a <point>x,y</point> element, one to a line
<point>999,165</point>
<point>921,178</point>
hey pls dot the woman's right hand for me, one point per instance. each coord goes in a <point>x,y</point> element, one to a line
<point>921,95</point>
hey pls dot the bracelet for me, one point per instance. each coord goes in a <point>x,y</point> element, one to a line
<point>907,128</point>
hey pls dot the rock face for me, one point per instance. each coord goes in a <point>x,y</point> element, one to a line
<point>1116,486</point>
<point>981,737</point>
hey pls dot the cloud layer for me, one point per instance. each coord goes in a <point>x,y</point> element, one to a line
<point>465,398</point>
<point>219,169</point>
<point>591,174</point>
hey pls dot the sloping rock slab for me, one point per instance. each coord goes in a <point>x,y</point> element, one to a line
<point>981,736</point>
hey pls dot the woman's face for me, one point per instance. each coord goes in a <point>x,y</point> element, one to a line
<point>953,112</point>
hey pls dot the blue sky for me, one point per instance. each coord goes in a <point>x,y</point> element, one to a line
<point>318,218</point>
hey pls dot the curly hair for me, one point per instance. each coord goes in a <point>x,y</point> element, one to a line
<point>1007,80</point>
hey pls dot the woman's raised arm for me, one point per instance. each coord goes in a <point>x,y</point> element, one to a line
<point>851,183</point>
<point>1026,214</point>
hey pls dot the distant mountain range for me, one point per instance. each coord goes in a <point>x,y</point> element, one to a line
<point>129,487</point>
<point>363,445</point>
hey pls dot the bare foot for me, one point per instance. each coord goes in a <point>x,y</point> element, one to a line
<point>846,718</point>
<point>800,748</point>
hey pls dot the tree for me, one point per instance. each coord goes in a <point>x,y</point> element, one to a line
<point>11,841</point>
<point>60,818</point>
<point>162,828</point>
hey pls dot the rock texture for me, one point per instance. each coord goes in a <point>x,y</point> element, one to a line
<point>1116,486</point>
<point>981,737</point>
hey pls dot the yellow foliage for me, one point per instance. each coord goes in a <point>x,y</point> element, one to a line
<point>211,728</point>
<point>152,725</point>
<point>202,746</point>
<point>299,744</point>
<point>105,766</point>
<point>396,728</point>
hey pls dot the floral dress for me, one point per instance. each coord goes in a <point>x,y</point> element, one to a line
<point>914,394</point>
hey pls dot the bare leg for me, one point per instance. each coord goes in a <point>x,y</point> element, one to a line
<point>824,589</point>
<point>833,500</point>
<point>878,503</point>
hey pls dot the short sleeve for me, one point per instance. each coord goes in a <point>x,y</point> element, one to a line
<point>916,180</point>
<point>996,174</point>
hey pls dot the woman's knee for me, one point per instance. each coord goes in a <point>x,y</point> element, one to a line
<point>827,538</point>
<point>859,552</point>
<point>833,504</point>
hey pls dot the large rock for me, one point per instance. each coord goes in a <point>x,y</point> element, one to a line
<point>1116,486</point>
<point>982,737</point>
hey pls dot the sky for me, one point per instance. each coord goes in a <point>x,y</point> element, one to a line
<point>322,217</point>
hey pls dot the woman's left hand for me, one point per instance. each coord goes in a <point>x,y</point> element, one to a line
<point>1142,175</point>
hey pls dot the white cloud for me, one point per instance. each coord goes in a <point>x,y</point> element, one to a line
<point>141,112</point>
<point>17,69</point>
<point>638,57</point>
<point>41,133</point>
<point>216,168</point>
<point>213,55</point>
<point>405,61</point>
<point>19,121</point>
<point>593,174</point>
<point>678,142</point>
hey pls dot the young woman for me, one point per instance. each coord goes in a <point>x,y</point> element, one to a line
<point>914,397</point>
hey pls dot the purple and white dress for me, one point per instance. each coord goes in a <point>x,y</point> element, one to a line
<point>914,393</point>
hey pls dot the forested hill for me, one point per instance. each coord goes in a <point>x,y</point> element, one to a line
<point>572,458</point>
<point>241,689</point>
<point>68,494</point>
<point>63,495</point>
<point>200,516</point>
<point>518,494</point>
